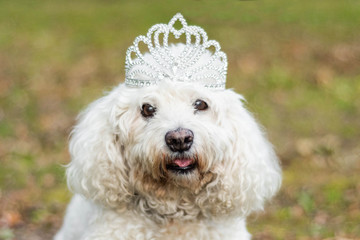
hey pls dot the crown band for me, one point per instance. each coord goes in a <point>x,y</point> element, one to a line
<point>191,62</point>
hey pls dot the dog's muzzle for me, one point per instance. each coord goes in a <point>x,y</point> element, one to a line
<point>180,141</point>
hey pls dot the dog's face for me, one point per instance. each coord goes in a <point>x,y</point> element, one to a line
<point>176,137</point>
<point>173,148</point>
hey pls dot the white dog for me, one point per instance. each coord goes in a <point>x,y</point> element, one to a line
<point>170,160</point>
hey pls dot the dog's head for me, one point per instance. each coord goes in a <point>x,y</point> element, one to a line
<point>173,150</point>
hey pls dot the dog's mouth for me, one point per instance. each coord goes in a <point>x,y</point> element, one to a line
<point>181,165</point>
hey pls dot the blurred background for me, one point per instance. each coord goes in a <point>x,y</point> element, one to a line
<point>296,62</point>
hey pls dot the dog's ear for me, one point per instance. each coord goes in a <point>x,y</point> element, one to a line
<point>97,169</point>
<point>252,171</point>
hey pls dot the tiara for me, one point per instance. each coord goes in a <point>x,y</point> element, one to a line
<point>197,61</point>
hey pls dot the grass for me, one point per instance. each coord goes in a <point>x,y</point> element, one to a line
<point>297,64</point>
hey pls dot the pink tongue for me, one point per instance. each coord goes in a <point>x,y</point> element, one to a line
<point>183,162</point>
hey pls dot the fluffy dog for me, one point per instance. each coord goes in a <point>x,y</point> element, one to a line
<point>171,161</point>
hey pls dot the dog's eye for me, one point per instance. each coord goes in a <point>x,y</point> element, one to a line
<point>200,105</point>
<point>147,110</point>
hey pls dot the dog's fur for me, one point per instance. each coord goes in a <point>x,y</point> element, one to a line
<point>123,189</point>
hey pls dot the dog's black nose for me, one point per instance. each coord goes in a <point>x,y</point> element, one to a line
<point>179,140</point>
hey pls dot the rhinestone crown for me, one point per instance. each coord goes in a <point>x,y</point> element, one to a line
<point>199,60</point>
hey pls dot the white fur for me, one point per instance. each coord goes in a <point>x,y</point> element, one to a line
<point>121,190</point>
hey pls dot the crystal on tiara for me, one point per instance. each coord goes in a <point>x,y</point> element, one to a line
<point>191,62</point>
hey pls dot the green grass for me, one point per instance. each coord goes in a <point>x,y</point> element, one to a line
<point>297,64</point>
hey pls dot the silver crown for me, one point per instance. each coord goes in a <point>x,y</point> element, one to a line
<point>190,62</point>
